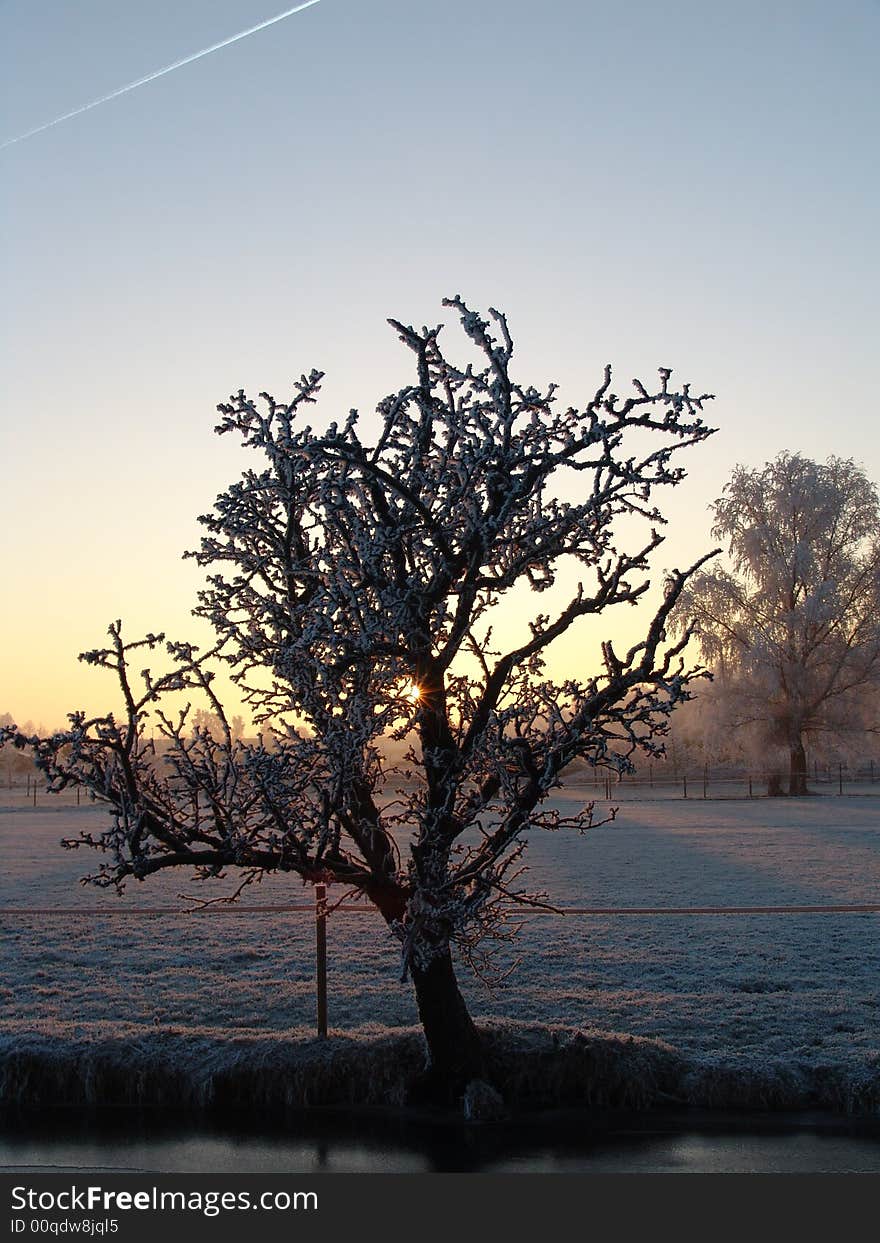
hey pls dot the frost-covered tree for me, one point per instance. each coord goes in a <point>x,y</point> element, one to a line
<point>353,587</point>
<point>792,629</point>
<point>210,723</point>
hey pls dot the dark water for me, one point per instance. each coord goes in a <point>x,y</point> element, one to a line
<point>55,1142</point>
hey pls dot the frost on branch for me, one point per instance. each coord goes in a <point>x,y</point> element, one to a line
<point>345,572</point>
<point>792,627</point>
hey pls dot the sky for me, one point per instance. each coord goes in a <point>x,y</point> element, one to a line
<point>689,185</point>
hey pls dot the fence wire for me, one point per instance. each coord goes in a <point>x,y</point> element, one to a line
<point>166,912</point>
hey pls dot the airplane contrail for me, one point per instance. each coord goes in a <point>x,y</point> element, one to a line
<point>159,73</point>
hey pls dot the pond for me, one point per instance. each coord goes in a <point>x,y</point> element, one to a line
<point>121,1141</point>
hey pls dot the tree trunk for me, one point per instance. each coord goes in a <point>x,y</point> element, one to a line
<point>455,1052</point>
<point>797,778</point>
<point>775,788</point>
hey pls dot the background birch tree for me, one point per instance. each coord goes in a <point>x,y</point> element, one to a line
<point>792,629</point>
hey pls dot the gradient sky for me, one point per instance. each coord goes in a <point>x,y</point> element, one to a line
<point>689,184</point>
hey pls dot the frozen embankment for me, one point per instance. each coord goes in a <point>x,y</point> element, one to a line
<point>534,1067</point>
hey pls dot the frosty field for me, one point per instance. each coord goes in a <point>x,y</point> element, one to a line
<point>770,994</point>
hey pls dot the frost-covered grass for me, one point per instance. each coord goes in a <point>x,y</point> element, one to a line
<point>534,1067</point>
<point>778,1008</point>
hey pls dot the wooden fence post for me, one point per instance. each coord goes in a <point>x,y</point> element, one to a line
<point>321,956</point>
